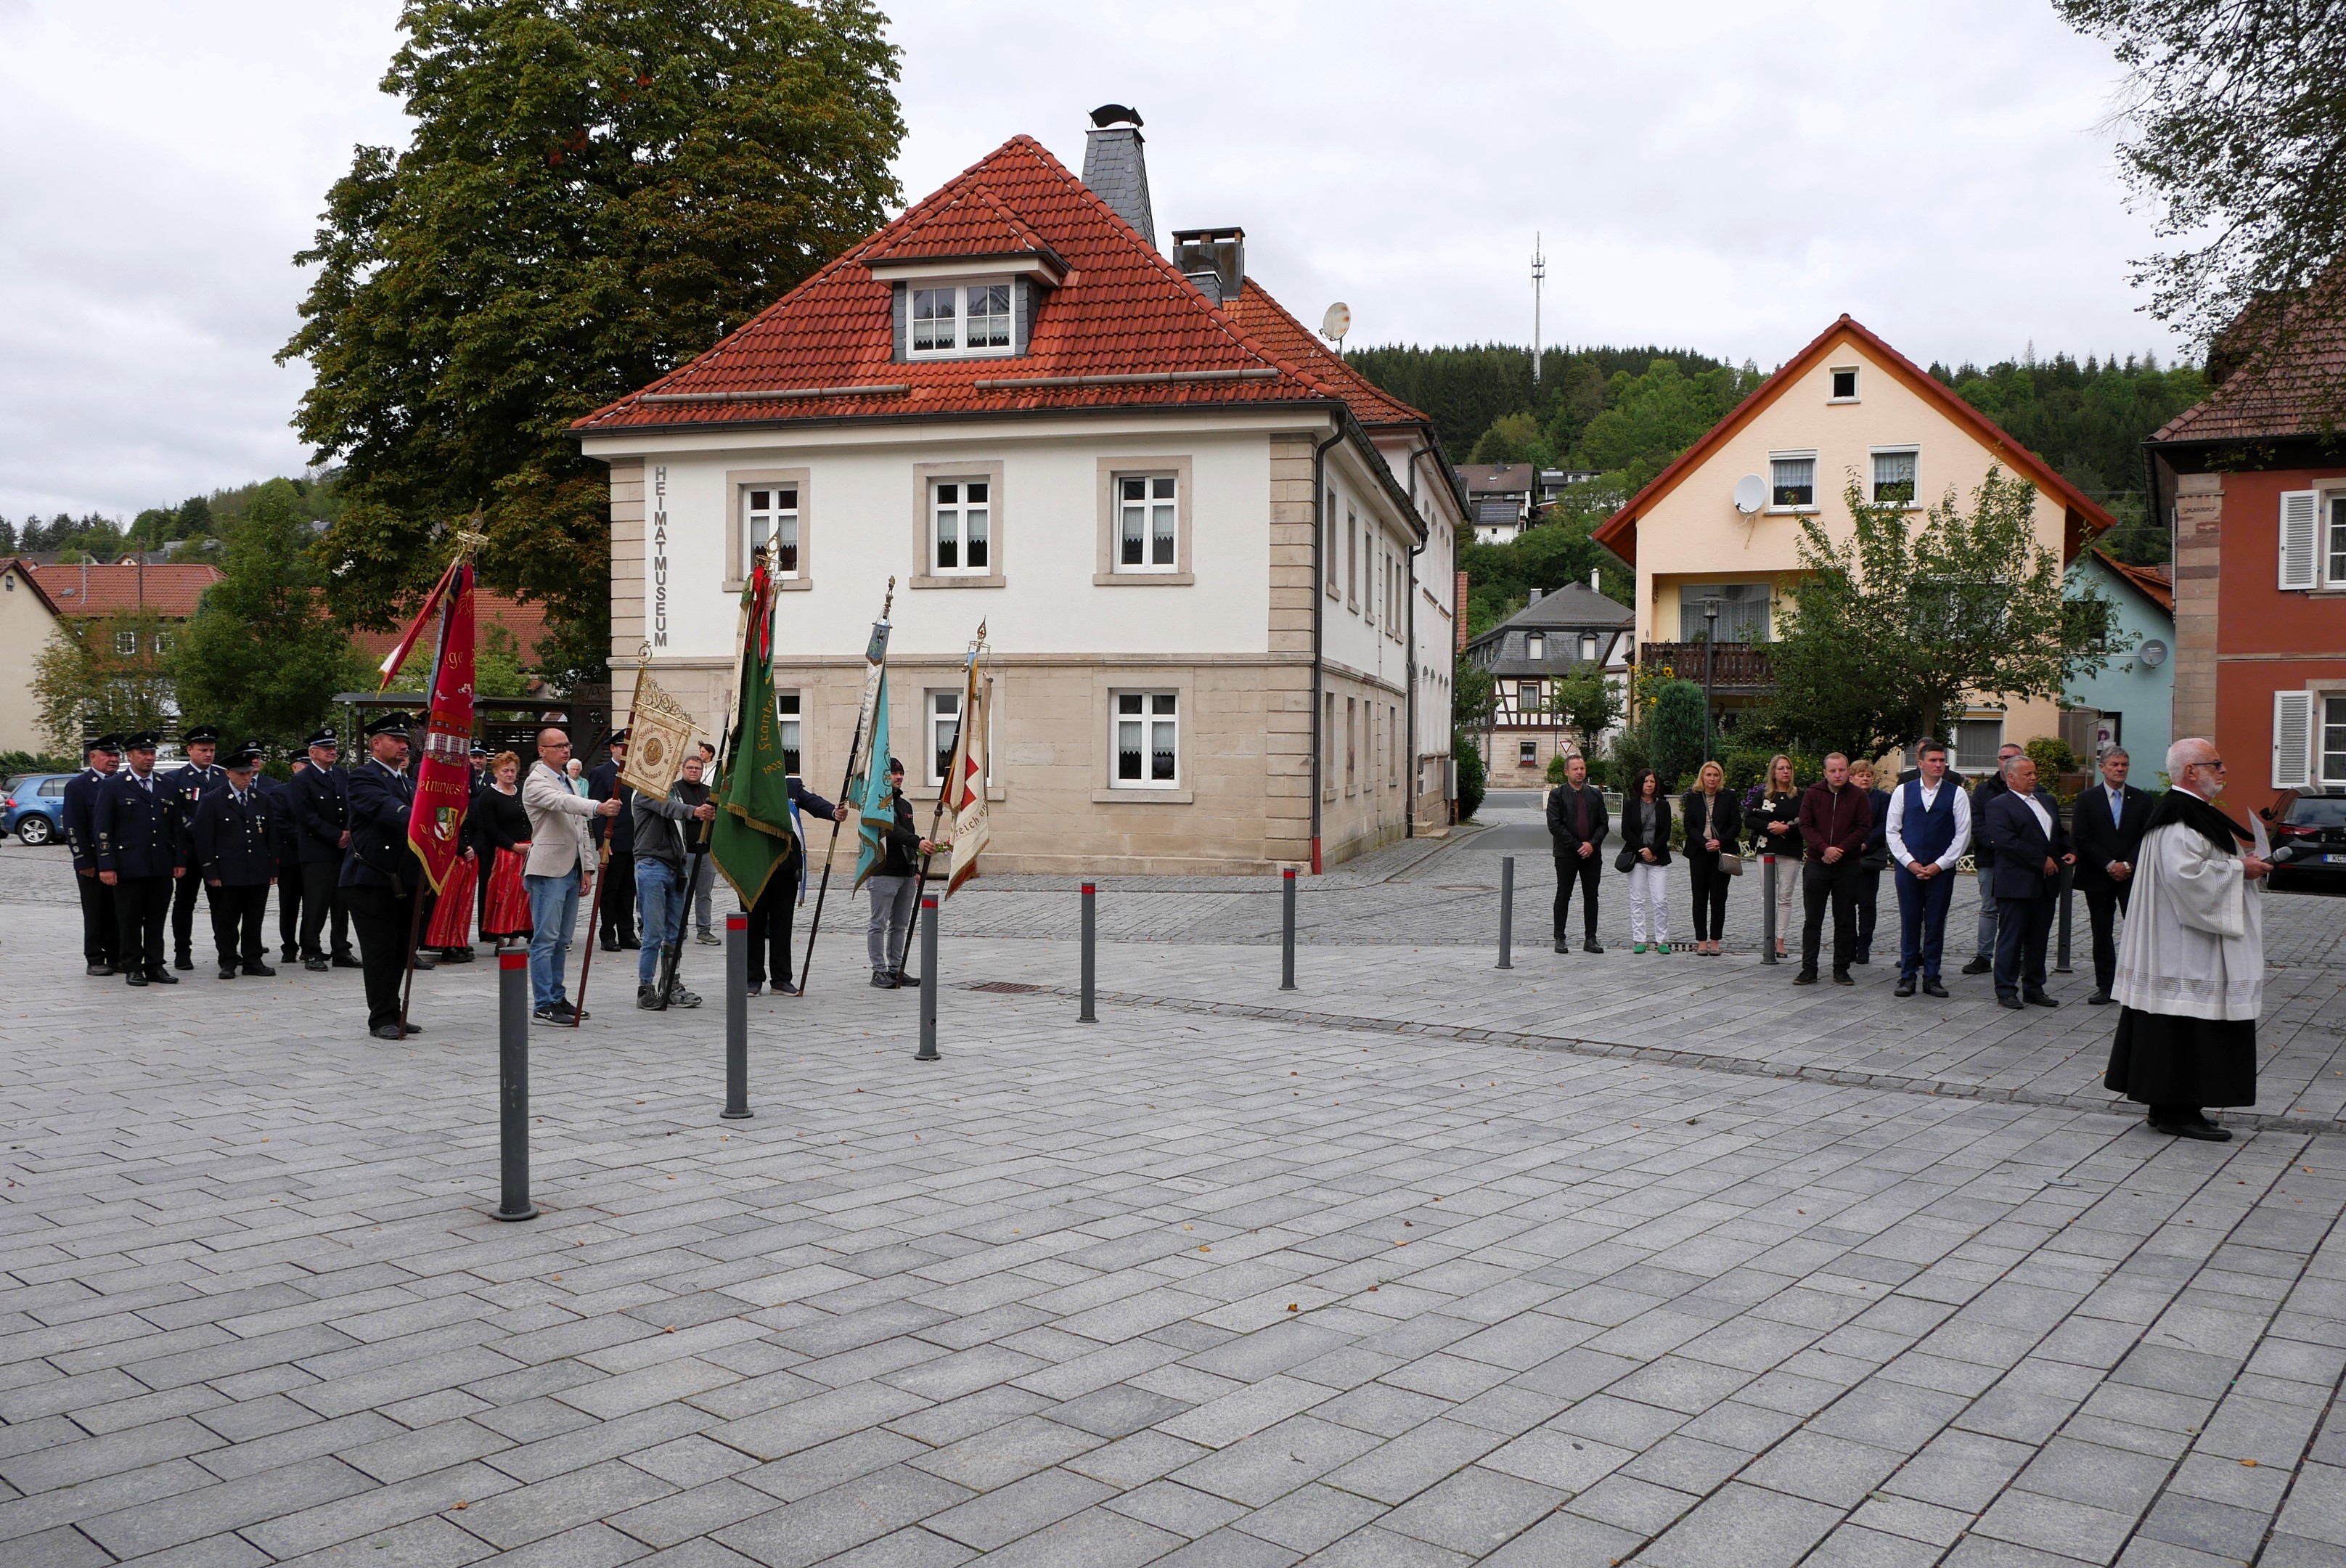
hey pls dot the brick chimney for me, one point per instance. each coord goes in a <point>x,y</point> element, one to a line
<point>1458,611</point>
<point>1212,258</point>
<point>1115,168</point>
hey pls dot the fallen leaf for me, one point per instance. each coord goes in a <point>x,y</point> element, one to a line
<point>1291,1306</point>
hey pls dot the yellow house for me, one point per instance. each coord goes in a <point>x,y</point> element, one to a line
<point>1720,529</point>
<point>26,617</point>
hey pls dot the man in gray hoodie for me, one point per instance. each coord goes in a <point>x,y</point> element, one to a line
<point>667,832</point>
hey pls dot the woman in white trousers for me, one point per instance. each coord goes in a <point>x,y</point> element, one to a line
<point>1646,842</point>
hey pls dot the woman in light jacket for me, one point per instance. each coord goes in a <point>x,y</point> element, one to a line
<point>1713,827</point>
<point>1646,840</point>
<point>1777,831</point>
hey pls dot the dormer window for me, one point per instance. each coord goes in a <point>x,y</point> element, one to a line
<point>1536,647</point>
<point>961,320</point>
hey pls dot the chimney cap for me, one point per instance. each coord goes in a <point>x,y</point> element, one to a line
<point>1108,115</point>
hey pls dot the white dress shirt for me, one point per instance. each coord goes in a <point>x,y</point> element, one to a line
<point>2044,817</point>
<point>1893,830</point>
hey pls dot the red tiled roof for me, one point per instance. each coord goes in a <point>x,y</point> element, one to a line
<point>2156,584</point>
<point>2295,386</point>
<point>526,622</point>
<point>1123,314</point>
<point>972,224</point>
<point>1268,322</point>
<point>1618,533</point>
<point>169,591</point>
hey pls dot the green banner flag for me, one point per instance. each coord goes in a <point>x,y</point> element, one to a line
<point>751,837</point>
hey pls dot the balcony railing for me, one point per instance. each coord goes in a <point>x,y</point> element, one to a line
<point>1735,667</point>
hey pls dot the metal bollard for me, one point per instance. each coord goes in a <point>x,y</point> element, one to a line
<point>1506,911</point>
<point>512,1088</point>
<point>737,1016</point>
<point>928,1051</point>
<point>1091,934</point>
<point>1287,930</point>
<point>2069,906</point>
<point>1768,913</point>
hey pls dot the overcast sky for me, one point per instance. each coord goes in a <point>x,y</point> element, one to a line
<point>1727,177</point>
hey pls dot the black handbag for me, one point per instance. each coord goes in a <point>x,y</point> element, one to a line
<point>1626,858</point>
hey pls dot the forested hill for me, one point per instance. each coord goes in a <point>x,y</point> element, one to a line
<point>1627,413</point>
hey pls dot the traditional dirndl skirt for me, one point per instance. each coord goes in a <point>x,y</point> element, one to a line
<point>509,913</point>
<point>451,915</point>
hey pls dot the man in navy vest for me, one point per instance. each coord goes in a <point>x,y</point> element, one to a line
<point>322,808</point>
<point>1930,824</point>
<point>101,933</point>
<point>183,790</point>
<point>235,845</point>
<point>139,853</point>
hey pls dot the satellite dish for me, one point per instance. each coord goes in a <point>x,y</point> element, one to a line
<point>1336,322</point>
<point>2154,653</point>
<point>1750,494</point>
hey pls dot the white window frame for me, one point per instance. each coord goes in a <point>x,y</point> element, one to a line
<point>790,725</point>
<point>1873,475</point>
<point>958,507</point>
<point>1808,457</point>
<point>1588,647</point>
<point>1527,753</point>
<point>778,517</point>
<point>939,710</point>
<point>2300,540</point>
<point>1536,645</point>
<point>2330,716</point>
<point>1161,494</point>
<point>1963,763</point>
<point>130,652</point>
<point>2292,740</point>
<point>1155,714</point>
<point>956,293</point>
<point>2332,538</point>
<point>1856,383</point>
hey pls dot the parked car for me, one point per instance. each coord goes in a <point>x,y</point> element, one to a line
<point>2314,826</point>
<point>34,808</point>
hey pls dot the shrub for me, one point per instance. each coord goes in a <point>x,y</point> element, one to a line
<point>1677,729</point>
<point>2052,758</point>
<point>1471,779</point>
<point>1555,766</point>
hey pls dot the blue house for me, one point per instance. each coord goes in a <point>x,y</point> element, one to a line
<point>2131,702</point>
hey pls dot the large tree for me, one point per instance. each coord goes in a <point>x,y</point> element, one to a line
<point>101,673</point>
<point>261,658</point>
<point>595,190</point>
<point>1892,629</point>
<point>2239,144</point>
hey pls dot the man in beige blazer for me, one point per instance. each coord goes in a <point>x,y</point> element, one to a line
<point>560,869</point>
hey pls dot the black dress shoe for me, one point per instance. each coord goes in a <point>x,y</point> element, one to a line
<point>1562,945</point>
<point>227,972</point>
<point>2198,1127</point>
<point>100,969</point>
<point>183,961</point>
<point>610,943</point>
<point>2038,999</point>
<point>2004,999</point>
<point>1591,945</point>
<point>629,944</point>
<point>883,983</point>
<point>2098,999</point>
<point>162,977</point>
<point>316,966</point>
<point>387,1032</point>
<point>1843,980</point>
<point>345,960</point>
<point>290,955</point>
<point>455,955</point>
<point>1905,986</point>
<point>907,981</point>
<point>1806,977</point>
<point>263,970</point>
<point>1933,988</point>
<point>1980,966</point>
<point>134,978</point>
<point>787,990</point>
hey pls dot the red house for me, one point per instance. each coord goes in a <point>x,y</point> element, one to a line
<point>2253,481</point>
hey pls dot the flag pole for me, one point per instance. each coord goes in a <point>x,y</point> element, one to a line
<point>674,957</point>
<point>468,541</point>
<point>854,746</point>
<point>944,793</point>
<point>594,913</point>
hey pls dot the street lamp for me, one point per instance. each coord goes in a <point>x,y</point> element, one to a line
<point>1709,647</point>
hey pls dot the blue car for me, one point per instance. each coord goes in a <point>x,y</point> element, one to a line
<point>34,808</point>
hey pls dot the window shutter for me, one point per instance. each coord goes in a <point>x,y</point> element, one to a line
<point>2292,766</point>
<point>2299,511</point>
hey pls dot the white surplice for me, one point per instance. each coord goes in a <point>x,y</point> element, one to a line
<point>2193,945</point>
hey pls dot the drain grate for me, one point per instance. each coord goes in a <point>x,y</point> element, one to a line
<point>1007,987</point>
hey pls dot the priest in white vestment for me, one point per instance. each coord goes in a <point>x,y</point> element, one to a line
<point>2191,963</point>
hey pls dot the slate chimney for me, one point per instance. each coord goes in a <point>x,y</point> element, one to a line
<point>1115,168</point>
<point>1212,258</point>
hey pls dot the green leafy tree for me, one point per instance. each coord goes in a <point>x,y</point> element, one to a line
<point>1513,438</point>
<point>1651,418</point>
<point>261,658</point>
<point>1585,699</point>
<point>1894,627</point>
<point>1474,779</point>
<point>1474,696</point>
<point>1676,740</point>
<point>104,673</point>
<point>594,190</point>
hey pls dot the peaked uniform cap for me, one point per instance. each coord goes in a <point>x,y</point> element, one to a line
<point>199,735</point>
<point>1123,329</point>
<point>390,724</point>
<point>322,737</point>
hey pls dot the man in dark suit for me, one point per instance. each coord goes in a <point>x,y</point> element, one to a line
<point>183,789</point>
<point>1577,826</point>
<point>235,845</point>
<point>101,933</point>
<point>1984,858</point>
<point>619,919</point>
<point>382,879</point>
<point>2110,819</point>
<point>285,838</point>
<point>139,853</point>
<point>321,810</point>
<point>2023,826</point>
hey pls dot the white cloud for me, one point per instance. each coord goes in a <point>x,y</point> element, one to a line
<point>1722,176</point>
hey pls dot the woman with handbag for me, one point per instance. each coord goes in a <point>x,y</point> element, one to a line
<point>1778,834</point>
<point>1645,851</point>
<point>1713,827</point>
<point>503,842</point>
<point>1872,862</point>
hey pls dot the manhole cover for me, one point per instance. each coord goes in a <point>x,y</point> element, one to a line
<point>1006,987</point>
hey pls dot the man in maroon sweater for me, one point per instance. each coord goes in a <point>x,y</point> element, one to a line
<point>1835,819</point>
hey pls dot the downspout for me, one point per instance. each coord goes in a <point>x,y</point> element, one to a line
<point>1319,609</point>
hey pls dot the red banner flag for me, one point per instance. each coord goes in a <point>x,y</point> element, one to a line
<point>443,774</point>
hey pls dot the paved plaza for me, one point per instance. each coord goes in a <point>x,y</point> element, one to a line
<point>1597,1260</point>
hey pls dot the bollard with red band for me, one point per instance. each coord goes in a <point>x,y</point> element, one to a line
<point>512,1088</point>
<point>1091,932</point>
<point>928,1051</point>
<point>737,1016</point>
